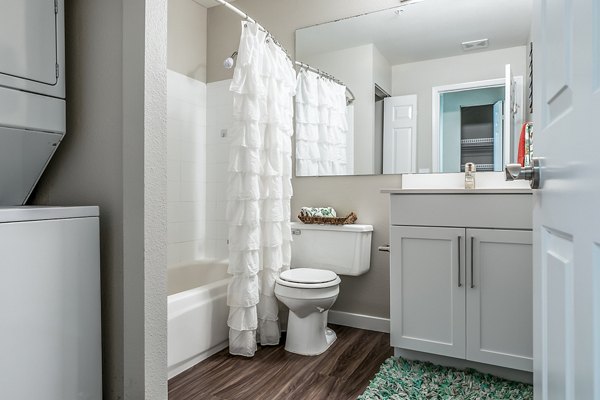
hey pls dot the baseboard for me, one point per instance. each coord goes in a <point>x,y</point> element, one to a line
<point>187,364</point>
<point>360,321</point>
<point>501,372</point>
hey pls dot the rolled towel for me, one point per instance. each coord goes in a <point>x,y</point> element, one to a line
<point>327,212</point>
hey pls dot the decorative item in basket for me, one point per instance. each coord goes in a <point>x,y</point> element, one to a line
<point>349,219</point>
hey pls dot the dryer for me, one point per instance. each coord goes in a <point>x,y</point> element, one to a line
<point>32,50</point>
<point>32,93</point>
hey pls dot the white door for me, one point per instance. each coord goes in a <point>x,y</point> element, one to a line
<point>498,134</point>
<point>427,296</point>
<point>567,206</point>
<point>509,113</point>
<point>400,134</point>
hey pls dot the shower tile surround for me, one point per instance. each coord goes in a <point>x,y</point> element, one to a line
<point>197,169</point>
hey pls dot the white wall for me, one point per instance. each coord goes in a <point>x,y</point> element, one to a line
<point>186,165</point>
<point>197,169</point>
<point>219,118</point>
<point>382,71</point>
<point>382,76</point>
<point>419,77</point>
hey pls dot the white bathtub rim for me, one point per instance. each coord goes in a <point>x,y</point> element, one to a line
<point>183,366</point>
<point>198,290</point>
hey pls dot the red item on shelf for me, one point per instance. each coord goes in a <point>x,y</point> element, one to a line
<point>521,156</point>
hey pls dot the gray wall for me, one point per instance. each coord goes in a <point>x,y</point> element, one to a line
<point>354,66</point>
<point>367,294</point>
<point>280,17</point>
<point>419,77</point>
<point>112,156</point>
<point>187,38</point>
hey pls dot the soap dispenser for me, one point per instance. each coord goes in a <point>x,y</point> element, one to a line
<point>470,176</point>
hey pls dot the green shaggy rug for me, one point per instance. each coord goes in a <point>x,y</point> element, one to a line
<point>415,380</point>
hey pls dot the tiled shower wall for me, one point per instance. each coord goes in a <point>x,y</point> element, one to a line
<point>197,169</point>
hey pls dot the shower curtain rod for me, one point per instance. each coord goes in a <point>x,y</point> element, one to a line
<point>324,74</point>
<point>242,14</point>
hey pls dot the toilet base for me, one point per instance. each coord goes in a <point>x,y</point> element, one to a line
<point>309,336</point>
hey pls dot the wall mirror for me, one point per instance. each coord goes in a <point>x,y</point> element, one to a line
<point>437,83</point>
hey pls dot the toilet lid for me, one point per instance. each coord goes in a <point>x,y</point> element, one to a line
<point>308,275</point>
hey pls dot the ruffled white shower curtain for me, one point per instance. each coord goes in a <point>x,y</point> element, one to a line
<point>259,188</point>
<point>321,126</point>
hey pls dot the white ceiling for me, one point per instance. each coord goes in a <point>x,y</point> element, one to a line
<point>424,30</point>
<point>210,3</point>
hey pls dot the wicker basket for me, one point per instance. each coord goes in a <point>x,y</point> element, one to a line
<point>349,219</point>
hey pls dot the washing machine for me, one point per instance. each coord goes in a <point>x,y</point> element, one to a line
<point>32,93</point>
<point>50,336</point>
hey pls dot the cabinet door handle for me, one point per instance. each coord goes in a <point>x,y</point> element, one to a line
<point>472,262</point>
<point>459,278</point>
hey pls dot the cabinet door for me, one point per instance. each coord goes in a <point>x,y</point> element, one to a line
<point>500,298</point>
<point>427,284</point>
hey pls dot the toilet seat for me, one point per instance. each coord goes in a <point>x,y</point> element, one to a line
<point>309,278</point>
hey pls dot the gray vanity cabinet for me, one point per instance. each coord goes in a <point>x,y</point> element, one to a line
<point>500,298</point>
<point>462,290</point>
<point>427,305</point>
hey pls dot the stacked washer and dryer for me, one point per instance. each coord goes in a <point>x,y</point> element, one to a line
<point>50,346</point>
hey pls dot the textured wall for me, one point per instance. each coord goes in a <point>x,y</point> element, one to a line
<point>87,167</point>
<point>112,156</point>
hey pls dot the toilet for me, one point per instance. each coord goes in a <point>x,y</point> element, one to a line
<point>310,288</point>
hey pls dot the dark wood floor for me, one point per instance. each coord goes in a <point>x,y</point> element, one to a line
<point>342,372</point>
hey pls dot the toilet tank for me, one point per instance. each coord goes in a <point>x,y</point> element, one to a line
<point>343,249</point>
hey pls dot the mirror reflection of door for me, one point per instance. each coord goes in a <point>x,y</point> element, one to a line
<point>469,123</point>
<point>400,134</point>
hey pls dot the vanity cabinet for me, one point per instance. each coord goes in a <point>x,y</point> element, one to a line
<point>461,286</point>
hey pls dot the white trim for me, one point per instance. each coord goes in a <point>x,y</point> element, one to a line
<point>501,372</point>
<point>359,321</point>
<point>187,364</point>
<point>436,91</point>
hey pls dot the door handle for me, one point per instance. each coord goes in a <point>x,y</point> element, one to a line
<point>531,173</point>
<point>472,262</point>
<point>459,278</point>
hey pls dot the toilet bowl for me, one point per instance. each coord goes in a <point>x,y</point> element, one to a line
<point>309,294</point>
<point>309,289</point>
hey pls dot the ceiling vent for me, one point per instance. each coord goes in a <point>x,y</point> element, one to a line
<point>475,44</point>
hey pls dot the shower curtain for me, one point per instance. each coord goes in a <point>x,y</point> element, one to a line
<point>259,188</point>
<point>321,126</point>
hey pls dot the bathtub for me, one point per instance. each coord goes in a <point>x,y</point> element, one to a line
<point>197,313</point>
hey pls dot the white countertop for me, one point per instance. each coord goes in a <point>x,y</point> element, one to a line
<point>37,213</point>
<point>457,191</point>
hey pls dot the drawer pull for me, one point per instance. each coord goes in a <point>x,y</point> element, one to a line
<point>472,262</point>
<point>459,278</point>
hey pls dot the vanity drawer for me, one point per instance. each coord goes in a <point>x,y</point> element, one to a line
<point>499,211</point>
